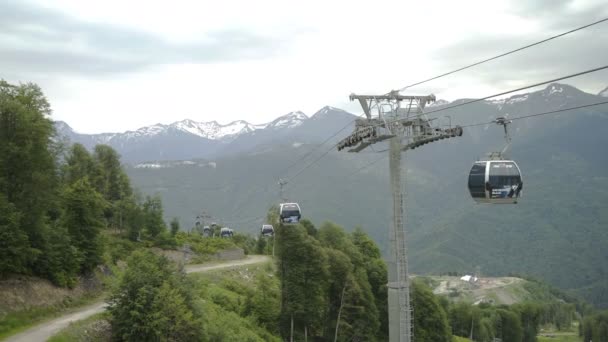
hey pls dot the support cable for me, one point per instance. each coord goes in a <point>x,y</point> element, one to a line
<point>503,54</point>
<point>450,73</point>
<point>460,105</point>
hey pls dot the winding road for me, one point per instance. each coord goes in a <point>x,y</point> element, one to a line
<point>45,330</point>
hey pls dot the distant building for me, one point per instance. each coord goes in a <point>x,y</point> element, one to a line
<point>469,278</point>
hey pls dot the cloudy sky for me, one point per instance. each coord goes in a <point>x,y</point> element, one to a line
<point>115,65</point>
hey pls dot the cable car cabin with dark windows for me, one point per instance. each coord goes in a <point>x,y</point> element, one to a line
<point>206,231</point>
<point>290,213</point>
<point>267,230</point>
<point>226,232</point>
<point>495,181</point>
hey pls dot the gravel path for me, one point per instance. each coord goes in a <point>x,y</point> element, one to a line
<point>45,330</point>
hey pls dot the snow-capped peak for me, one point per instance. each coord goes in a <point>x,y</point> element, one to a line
<point>289,120</point>
<point>558,89</point>
<point>213,130</point>
<point>325,110</point>
<point>146,131</point>
<point>604,93</point>
<point>554,88</point>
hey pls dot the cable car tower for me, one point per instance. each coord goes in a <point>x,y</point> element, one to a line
<point>399,119</point>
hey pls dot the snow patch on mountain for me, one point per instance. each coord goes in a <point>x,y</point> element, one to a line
<point>148,131</point>
<point>289,120</point>
<point>517,98</point>
<point>213,130</point>
<point>325,111</point>
<point>603,93</point>
<point>439,103</point>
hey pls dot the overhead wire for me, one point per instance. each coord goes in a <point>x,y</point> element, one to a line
<point>309,165</point>
<point>319,146</point>
<point>541,114</point>
<point>443,75</point>
<point>503,54</point>
<point>556,111</point>
<point>457,105</point>
<point>367,165</point>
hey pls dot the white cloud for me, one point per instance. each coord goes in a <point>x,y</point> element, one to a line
<point>280,56</point>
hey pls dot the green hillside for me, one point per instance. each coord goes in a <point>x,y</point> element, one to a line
<point>557,232</point>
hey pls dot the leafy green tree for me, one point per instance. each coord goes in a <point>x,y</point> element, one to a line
<point>377,275</point>
<point>28,177</point>
<point>135,220</point>
<point>60,260</point>
<point>509,326</point>
<point>367,247</point>
<point>152,302</point>
<point>16,255</point>
<point>310,227</point>
<point>595,327</point>
<point>333,236</point>
<point>430,321</point>
<point>265,303</point>
<point>112,182</point>
<point>340,269</point>
<point>153,216</point>
<point>602,332</point>
<point>530,320</point>
<point>174,320</point>
<point>260,246</point>
<point>83,215</point>
<point>79,165</point>
<point>359,312</point>
<point>174,226</point>
<point>303,271</point>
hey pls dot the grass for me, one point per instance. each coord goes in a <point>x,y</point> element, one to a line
<point>571,337</point>
<point>82,330</point>
<point>459,339</point>
<point>245,274</point>
<point>212,280</point>
<point>19,321</point>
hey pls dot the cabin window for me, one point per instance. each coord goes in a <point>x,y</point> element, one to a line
<point>504,174</point>
<point>477,180</point>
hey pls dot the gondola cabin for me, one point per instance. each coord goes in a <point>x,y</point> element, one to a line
<point>226,232</point>
<point>267,230</point>
<point>206,231</point>
<point>290,213</point>
<point>495,181</point>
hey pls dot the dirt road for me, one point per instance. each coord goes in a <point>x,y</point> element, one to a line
<point>45,330</point>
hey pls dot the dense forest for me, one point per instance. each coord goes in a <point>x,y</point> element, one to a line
<point>56,199</point>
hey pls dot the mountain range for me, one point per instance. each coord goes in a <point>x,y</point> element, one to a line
<point>187,138</point>
<point>557,232</point>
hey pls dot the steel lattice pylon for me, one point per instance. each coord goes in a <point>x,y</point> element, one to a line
<point>396,123</point>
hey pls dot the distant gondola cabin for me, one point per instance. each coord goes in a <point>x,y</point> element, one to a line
<point>290,213</point>
<point>267,230</point>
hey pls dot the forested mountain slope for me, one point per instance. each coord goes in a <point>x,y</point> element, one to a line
<point>557,231</point>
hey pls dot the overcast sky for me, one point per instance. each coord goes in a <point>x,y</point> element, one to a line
<point>117,65</point>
